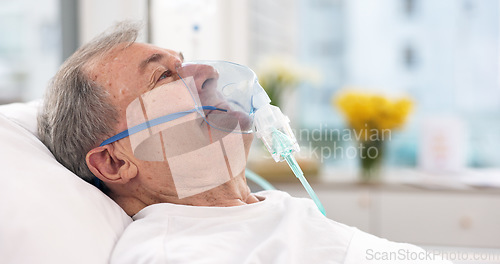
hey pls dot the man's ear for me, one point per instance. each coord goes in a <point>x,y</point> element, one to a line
<point>110,165</point>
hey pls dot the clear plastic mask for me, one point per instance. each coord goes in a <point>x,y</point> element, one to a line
<point>197,126</point>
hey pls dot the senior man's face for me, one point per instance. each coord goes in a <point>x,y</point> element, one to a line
<point>128,72</point>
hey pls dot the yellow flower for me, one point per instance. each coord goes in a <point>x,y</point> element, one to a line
<point>369,113</point>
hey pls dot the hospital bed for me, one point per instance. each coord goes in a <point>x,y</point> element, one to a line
<point>48,214</point>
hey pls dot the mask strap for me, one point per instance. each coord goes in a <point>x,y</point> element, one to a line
<point>160,120</point>
<point>155,122</point>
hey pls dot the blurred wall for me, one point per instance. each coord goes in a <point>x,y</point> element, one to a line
<point>96,15</point>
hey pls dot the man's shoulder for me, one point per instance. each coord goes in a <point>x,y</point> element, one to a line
<point>368,248</point>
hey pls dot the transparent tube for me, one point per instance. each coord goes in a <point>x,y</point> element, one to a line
<point>281,142</point>
<point>258,180</point>
<point>273,128</point>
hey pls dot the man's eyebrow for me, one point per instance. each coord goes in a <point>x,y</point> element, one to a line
<point>181,56</point>
<point>153,58</point>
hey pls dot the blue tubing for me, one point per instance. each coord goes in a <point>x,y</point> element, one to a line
<point>258,180</point>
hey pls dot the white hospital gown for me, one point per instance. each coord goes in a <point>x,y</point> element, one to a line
<point>280,229</point>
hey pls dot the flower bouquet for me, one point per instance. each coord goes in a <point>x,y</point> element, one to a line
<point>371,118</point>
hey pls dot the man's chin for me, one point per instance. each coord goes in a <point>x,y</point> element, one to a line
<point>231,121</point>
<point>244,121</point>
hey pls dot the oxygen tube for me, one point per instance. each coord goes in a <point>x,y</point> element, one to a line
<point>273,128</point>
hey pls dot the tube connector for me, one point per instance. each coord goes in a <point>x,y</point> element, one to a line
<point>273,128</point>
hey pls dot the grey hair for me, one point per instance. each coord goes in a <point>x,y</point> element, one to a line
<point>77,114</point>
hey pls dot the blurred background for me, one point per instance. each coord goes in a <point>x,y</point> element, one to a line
<point>440,56</point>
<point>443,54</point>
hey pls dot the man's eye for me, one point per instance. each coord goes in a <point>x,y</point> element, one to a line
<point>165,75</point>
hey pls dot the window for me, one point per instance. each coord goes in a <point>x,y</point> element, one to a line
<point>29,48</point>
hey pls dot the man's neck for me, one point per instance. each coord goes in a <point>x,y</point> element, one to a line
<point>232,193</point>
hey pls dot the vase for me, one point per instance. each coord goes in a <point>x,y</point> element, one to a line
<point>371,157</point>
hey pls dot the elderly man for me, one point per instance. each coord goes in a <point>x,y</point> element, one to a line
<point>97,119</point>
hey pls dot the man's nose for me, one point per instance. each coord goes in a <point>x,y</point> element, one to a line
<point>204,76</point>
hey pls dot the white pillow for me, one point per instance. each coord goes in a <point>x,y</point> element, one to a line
<point>47,213</point>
